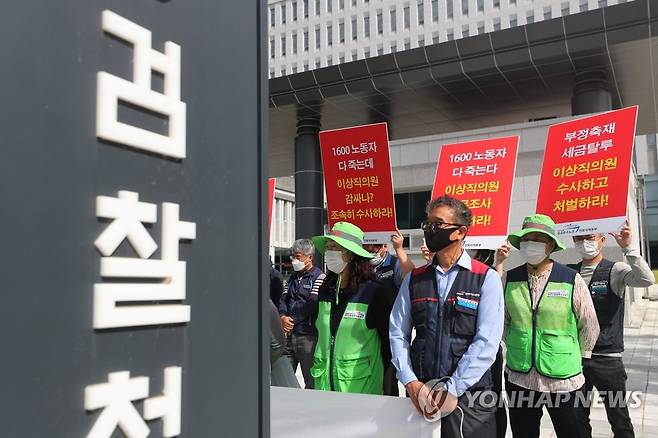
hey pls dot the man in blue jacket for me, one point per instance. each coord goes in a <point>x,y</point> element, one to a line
<point>298,308</point>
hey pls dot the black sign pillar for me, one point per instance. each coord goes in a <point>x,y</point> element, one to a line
<point>135,219</point>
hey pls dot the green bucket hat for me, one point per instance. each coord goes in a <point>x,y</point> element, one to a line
<point>347,235</point>
<point>536,223</point>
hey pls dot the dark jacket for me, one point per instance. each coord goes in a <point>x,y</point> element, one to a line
<point>300,301</point>
<point>276,285</point>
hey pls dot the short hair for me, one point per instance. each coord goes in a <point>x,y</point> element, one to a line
<point>463,214</point>
<point>305,246</point>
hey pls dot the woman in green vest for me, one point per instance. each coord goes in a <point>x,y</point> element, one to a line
<point>550,324</point>
<point>352,316</point>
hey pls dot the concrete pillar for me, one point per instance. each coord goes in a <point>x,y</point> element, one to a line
<point>309,194</point>
<point>591,93</point>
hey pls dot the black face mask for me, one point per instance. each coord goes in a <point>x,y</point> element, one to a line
<point>437,240</point>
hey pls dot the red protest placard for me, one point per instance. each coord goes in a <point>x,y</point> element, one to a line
<point>585,175</point>
<point>358,180</point>
<point>481,174</point>
<point>271,184</point>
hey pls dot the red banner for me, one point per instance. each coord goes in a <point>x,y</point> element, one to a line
<point>481,174</point>
<point>358,180</point>
<point>585,175</point>
<point>271,184</point>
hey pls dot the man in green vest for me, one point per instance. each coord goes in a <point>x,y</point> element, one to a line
<point>353,310</point>
<point>550,324</point>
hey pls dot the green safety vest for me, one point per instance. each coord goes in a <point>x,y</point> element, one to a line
<point>350,361</point>
<point>546,338</point>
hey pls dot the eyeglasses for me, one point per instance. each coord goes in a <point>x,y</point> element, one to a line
<point>436,226</point>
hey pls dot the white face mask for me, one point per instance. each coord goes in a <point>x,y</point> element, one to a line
<point>588,249</point>
<point>334,260</point>
<point>298,265</point>
<point>377,259</point>
<point>533,252</point>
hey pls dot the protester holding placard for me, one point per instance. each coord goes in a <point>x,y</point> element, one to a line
<point>352,316</point>
<point>390,270</point>
<point>550,324</point>
<point>607,283</point>
<point>456,306</point>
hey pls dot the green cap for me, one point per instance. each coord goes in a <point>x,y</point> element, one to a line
<point>347,235</point>
<point>536,223</point>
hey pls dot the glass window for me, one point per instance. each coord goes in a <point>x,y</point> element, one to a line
<point>283,14</point>
<point>421,13</point>
<point>317,37</point>
<point>272,48</point>
<point>330,61</point>
<point>513,22</point>
<point>317,63</point>
<point>341,31</point>
<point>354,3</point>
<point>283,70</point>
<point>435,38</point>
<point>330,5</point>
<point>464,7</point>
<point>548,13</point>
<point>480,28</point>
<point>294,69</point>
<point>355,55</point>
<point>435,11</point>
<point>380,50</point>
<point>496,3</point>
<point>272,17</point>
<point>305,65</point>
<point>394,24</point>
<point>530,17</point>
<point>366,53</point>
<point>394,47</point>
<point>380,22</point>
<point>317,7</point>
<point>410,209</point>
<point>421,41</point>
<point>354,29</point>
<point>341,59</point>
<point>565,9</point>
<point>306,40</point>
<point>366,25</point>
<point>407,44</point>
<point>294,43</point>
<point>330,37</point>
<point>465,32</point>
<point>294,11</point>
<point>603,3</point>
<point>496,24</point>
<point>449,8</point>
<point>480,5</point>
<point>283,45</point>
<point>305,6</point>
<point>407,17</point>
<point>583,5</point>
<point>341,4</point>
<point>450,35</point>
<point>512,2</point>
<point>271,73</point>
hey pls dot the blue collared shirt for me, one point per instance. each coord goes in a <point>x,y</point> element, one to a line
<point>479,356</point>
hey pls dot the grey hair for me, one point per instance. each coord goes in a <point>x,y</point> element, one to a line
<point>305,246</point>
<point>461,211</point>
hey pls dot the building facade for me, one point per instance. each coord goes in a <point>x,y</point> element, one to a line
<point>310,34</point>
